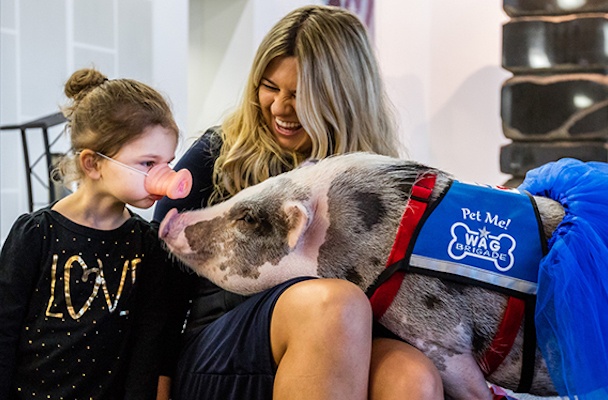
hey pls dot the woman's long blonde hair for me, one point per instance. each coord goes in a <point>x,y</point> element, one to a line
<point>341,100</point>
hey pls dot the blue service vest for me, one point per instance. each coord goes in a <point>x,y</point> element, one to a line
<point>482,233</point>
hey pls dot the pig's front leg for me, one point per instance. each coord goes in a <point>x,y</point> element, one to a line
<point>463,380</point>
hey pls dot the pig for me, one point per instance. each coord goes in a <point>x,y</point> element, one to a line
<point>337,218</point>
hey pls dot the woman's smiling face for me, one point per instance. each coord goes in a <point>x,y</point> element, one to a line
<point>277,96</point>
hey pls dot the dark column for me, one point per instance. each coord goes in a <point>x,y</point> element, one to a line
<point>556,103</point>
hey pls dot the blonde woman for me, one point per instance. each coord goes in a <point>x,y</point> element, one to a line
<point>314,90</point>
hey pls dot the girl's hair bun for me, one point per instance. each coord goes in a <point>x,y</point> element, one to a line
<point>83,81</point>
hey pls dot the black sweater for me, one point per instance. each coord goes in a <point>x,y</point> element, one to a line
<point>81,310</point>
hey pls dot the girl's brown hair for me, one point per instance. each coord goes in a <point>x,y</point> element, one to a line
<point>104,115</point>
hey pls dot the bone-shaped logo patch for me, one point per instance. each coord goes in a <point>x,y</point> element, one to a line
<point>481,244</point>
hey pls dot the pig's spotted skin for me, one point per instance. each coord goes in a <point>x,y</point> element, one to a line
<point>251,227</point>
<point>370,208</point>
<point>360,204</point>
<point>199,237</point>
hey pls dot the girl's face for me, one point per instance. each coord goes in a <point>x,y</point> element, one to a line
<point>277,96</point>
<point>155,146</point>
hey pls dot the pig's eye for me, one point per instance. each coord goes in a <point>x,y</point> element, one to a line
<point>248,218</point>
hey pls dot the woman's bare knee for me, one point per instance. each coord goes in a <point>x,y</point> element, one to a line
<point>326,309</point>
<point>321,340</point>
<point>400,371</point>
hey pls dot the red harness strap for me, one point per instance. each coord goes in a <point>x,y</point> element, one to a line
<point>505,336</point>
<point>384,294</point>
<point>415,208</point>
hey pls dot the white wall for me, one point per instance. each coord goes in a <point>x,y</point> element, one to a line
<point>441,62</point>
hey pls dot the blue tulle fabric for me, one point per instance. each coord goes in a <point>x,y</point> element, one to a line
<point>572,300</point>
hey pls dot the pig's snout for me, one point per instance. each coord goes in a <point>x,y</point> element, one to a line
<point>171,231</point>
<point>168,226</point>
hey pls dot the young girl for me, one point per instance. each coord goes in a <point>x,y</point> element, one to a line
<point>81,280</point>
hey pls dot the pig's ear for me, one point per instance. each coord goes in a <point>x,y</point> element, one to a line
<point>297,222</point>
